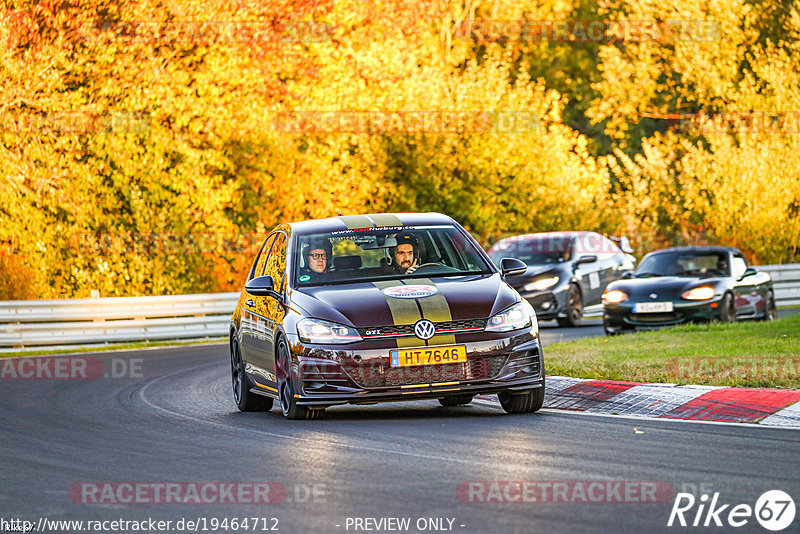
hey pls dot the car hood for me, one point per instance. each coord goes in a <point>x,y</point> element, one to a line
<point>665,287</point>
<point>365,304</point>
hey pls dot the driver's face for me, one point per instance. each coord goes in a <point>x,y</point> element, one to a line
<point>404,256</point>
<point>317,260</point>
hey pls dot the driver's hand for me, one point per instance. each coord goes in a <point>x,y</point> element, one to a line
<point>412,268</point>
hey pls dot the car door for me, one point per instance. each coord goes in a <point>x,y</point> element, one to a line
<point>253,322</point>
<point>596,273</point>
<point>612,263</point>
<point>750,294</point>
<point>273,309</point>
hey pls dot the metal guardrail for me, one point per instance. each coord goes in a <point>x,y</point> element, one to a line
<point>786,282</point>
<point>41,323</point>
<point>57,323</point>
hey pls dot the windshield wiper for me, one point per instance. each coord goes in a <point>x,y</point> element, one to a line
<point>646,275</point>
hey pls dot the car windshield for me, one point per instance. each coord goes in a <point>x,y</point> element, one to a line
<point>684,264</point>
<point>374,254</point>
<point>534,251</point>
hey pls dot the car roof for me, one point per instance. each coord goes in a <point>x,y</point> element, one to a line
<point>698,248</point>
<point>372,220</point>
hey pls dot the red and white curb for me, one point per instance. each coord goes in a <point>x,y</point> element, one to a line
<point>772,407</point>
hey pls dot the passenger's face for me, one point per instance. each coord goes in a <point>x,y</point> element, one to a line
<point>404,256</point>
<point>317,259</point>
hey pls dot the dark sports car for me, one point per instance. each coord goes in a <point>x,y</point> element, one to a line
<point>688,284</point>
<point>367,308</point>
<point>566,270</point>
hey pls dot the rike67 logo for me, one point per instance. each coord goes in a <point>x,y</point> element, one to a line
<point>774,510</point>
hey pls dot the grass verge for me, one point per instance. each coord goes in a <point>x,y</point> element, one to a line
<point>111,347</point>
<point>749,354</point>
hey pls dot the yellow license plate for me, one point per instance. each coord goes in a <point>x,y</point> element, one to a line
<point>428,355</point>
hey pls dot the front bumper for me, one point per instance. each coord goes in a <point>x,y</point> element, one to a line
<point>621,317</point>
<point>356,375</point>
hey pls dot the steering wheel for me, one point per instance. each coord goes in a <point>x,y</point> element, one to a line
<point>429,264</point>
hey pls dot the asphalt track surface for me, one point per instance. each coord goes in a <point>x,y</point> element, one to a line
<point>175,421</point>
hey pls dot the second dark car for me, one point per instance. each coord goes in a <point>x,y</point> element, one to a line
<point>566,270</point>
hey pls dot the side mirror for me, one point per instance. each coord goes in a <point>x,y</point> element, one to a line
<point>261,286</point>
<point>585,259</point>
<point>512,267</point>
<point>749,272</point>
<point>628,275</point>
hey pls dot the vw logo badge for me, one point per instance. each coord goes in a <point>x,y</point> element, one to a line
<point>424,329</point>
<point>653,296</point>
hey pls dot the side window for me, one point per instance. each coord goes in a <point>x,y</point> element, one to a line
<point>258,265</point>
<point>607,249</point>
<point>739,267</point>
<point>276,262</point>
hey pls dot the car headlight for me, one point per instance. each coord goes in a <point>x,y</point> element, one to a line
<point>316,331</point>
<point>541,284</point>
<point>615,296</point>
<point>518,316</point>
<point>699,293</point>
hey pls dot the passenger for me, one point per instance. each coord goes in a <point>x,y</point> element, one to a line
<point>318,255</point>
<point>404,255</point>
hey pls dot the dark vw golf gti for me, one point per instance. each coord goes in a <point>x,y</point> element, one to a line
<point>369,308</point>
<point>688,284</point>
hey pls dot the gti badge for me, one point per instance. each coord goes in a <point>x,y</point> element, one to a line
<point>653,296</point>
<point>424,329</point>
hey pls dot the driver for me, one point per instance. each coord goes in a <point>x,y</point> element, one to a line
<point>404,256</point>
<point>317,255</point>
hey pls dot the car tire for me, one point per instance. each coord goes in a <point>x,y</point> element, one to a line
<point>574,308</point>
<point>456,400</point>
<point>617,331</point>
<point>727,309</point>
<point>245,400</point>
<point>286,387</point>
<point>528,402</point>
<point>771,309</point>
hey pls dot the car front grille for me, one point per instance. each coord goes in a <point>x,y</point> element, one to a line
<point>378,373</point>
<point>444,327</point>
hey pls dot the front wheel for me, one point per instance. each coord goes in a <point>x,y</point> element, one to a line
<point>615,331</point>
<point>727,312</point>
<point>286,387</point>
<point>771,311</point>
<point>528,402</point>
<point>574,308</point>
